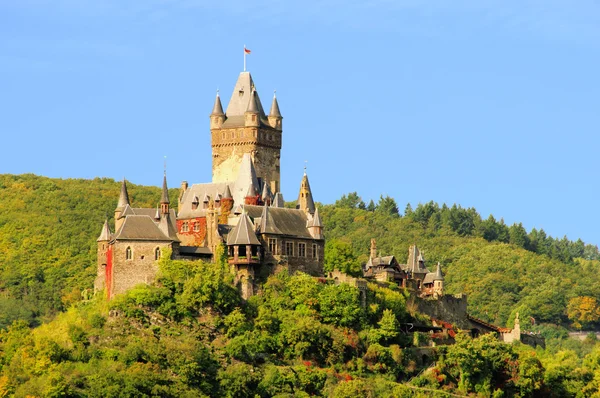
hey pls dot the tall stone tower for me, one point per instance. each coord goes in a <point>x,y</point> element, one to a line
<point>245,128</point>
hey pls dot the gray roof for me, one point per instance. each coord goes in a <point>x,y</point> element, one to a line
<point>165,192</point>
<point>415,262</point>
<point>243,233</point>
<point>140,228</point>
<point>275,107</point>
<point>289,222</point>
<point>227,194</point>
<point>240,98</point>
<point>245,179</point>
<point>196,191</point>
<point>123,196</point>
<point>105,235</point>
<point>266,194</point>
<point>438,273</point>
<point>127,211</point>
<point>278,200</point>
<point>316,220</point>
<point>218,108</point>
<point>429,278</point>
<point>252,104</point>
<point>267,225</point>
<point>382,261</point>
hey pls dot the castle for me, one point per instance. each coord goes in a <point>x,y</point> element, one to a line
<point>242,208</point>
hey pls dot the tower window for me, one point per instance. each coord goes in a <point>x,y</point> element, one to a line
<point>128,253</point>
<point>157,253</point>
<point>253,118</point>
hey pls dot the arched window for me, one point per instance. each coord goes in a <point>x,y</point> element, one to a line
<point>157,253</point>
<point>128,253</point>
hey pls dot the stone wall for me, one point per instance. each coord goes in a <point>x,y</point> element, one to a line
<point>230,145</point>
<point>309,264</point>
<point>192,238</point>
<point>452,309</point>
<point>141,268</point>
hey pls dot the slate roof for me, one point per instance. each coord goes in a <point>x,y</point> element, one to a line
<point>123,196</point>
<point>289,222</point>
<point>316,220</point>
<point>196,191</point>
<point>240,101</point>
<point>382,261</point>
<point>310,204</point>
<point>165,192</point>
<point>278,200</point>
<point>243,233</point>
<point>105,235</point>
<point>218,108</point>
<point>275,107</point>
<point>267,225</point>
<point>438,273</point>
<point>140,228</point>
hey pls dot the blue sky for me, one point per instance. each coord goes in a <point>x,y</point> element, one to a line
<point>491,104</point>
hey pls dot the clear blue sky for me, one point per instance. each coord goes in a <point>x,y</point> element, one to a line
<point>491,104</point>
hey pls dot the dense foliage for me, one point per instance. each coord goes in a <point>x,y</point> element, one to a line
<point>191,335</point>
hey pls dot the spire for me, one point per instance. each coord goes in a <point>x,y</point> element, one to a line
<point>227,194</point>
<point>252,104</point>
<point>105,235</point>
<point>305,199</point>
<point>245,179</point>
<point>275,107</point>
<point>164,199</point>
<point>438,273</point>
<point>316,221</point>
<point>240,98</point>
<point>265,195</point>
<point>252,192</point>
<point>157,214</point>
<point>123,197</point>
<point>218,108</point>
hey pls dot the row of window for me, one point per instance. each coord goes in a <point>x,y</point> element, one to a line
<point>290,249</point>
<point>185,226</point>
<point>129,253</point>
<point>240,134</point>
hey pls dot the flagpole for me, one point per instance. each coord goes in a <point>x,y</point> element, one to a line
<point>244,58</point>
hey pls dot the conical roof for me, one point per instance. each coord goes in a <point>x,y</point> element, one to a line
<point>123,196</point>
<point>265,192</point>
<point>267,225</point>
<point>227,194</point>
<point>245,179</point>
<point>252,192</point>
<point>438,273</point>
<point>164,199</point>
<point>275,107</point>
<point>218,108</point>
<point>157,214</point>
<point>238,209</point>
<point>105,235</point>
<point>243,233</point>
<point>278,200</point>
<point>316,221</point>
<point>252,104</point>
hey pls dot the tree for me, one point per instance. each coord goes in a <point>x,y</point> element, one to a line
<point>339,255</point>
<point>583,311</point>
<point>371,206</point>
<point>388,206</point>
<point>351,201</point>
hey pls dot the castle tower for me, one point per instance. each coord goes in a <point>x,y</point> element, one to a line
<point>305,199</point>
<point>123,202</point>
<point>164,199</point>
<point>245,129</point>
<point>438,281</point>
<point>315,226</point>
<point>103,239</point>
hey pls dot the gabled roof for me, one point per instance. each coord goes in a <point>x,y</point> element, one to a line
<point>289,222</point>
<point>140,228</point>
<point>243,233</point>
<point>105,235</point>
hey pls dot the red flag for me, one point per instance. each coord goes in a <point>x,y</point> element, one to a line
<point>247,51</point>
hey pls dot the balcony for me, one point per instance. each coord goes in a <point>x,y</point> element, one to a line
<point>244,260</point>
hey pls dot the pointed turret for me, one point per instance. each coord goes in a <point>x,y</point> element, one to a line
<point>267,225</point>
<point>243,233</point>
<point>315,226</point>
<point>278,200</point>
<point>105,235</point>
<point>227,194</point>
<point>246,178</point>
<point>438,273</point>
<point>275,115</point>
<point>164,199</point>
<point>305,199</point>
<point>217,116</point>
<point>266,195</point>
<point>121,205</point>
<point>252,114</point>
<point>157,214</point>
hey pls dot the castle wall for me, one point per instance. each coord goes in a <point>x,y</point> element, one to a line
<point>100,280</point>
<point>192,238</point>
<point>141,268</point>
<point>293,263</point>
<point>452,309</point>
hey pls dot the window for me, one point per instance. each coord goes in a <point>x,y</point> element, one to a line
<point>185,227</point>
<point>315,253</point>
<point>301,249</point>
<point>289,248</point>
<point>272,245</point>
<point>157,253</point>
<point>128,253</point>
<point>197,227</point>
<point>253,118</point>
